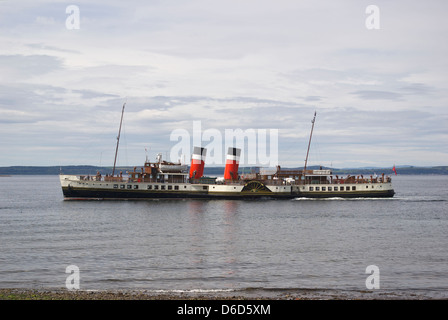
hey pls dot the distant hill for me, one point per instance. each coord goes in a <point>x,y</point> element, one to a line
<point>211,171</point>
<point>54,170</point>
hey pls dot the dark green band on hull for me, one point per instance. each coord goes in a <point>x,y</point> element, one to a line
<point>83,193</point>
<point>348,194</point>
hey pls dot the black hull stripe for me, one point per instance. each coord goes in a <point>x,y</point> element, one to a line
<point>81,193</point>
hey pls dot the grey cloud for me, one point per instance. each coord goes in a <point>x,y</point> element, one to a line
<point>313,98</point>
<point>25,97</point>
<point>315,74</point>
<point>90,94</point>
<point>42,46</point>
<point>23,66</point>
<point>417,88</point>
<point>377,95</point>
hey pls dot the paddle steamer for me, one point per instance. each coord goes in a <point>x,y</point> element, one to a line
<point>163,179</point>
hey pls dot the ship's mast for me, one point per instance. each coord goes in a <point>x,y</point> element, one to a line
<point>309,143</point>
<point>118,140</point>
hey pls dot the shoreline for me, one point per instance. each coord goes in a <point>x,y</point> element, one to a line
<point>303,294</point>
<point>64,294</point>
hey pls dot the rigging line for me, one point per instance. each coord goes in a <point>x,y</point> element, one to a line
<point>309,143</point>
<point>118,139</point>
<point>316,154</point>
<point>125,144</point>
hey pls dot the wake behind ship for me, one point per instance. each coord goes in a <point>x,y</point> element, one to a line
<point>163,179</point>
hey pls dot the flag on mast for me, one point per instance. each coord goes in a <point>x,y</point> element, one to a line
<point>394,170</point>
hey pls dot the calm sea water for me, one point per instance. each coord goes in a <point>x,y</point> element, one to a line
<point>315,248</point>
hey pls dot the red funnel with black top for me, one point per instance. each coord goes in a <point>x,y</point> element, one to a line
<point>232,163</point>
<point>197,162</point>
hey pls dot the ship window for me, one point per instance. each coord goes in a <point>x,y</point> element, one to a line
<point>317,188</point>
<point>330,188</point>
<point>115,186</point>
<point>335,188</point>
<point>122,186</point>
<point>204,188</point>
<point>185,187</point>
<point>353,187</point>
<point>311,189</point>
<point>170,187</point>
<point>129,186</point>
<point>135,186</point>
<point>176,187</point>
<point>367,187</point>
<point>324,189</point>
<point>162,187</point>
<point>156,187</point>
<point>149,187</point>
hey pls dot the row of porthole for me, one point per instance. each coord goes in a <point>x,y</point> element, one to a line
<point>332,188</point>
<point>149,187</point>
<point>152,187</point>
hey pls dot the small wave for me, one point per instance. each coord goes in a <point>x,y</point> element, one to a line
<point>425,200</point>
<point>420,199</point>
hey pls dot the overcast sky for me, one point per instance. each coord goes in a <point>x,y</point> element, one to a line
<point>381,95</point>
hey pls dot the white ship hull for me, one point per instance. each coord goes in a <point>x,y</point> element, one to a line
<point>74,187</point>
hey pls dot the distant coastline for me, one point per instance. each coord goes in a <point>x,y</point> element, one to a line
<point>211,171</point>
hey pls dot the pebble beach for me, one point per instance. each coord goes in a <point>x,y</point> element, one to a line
<point>64,294</point>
